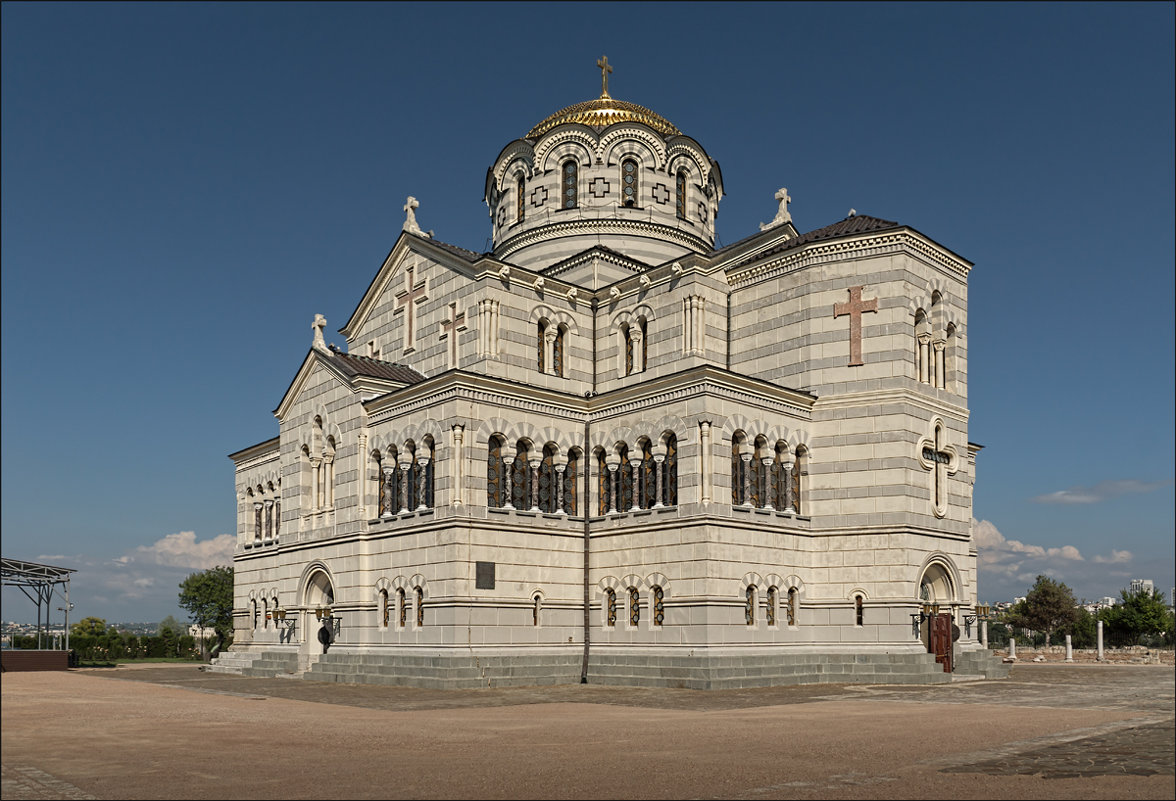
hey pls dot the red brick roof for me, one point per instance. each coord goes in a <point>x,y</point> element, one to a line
<point>352,365</point>
<point>858,224</point>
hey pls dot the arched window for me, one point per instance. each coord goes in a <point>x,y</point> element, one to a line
<point>671,470</point>
<point>495,479</point>
<point>412,478</point>
<point>610,607</point>
<point>755,476</point>
<point>401,608</point>
<point>255,614</point>
<point>265,613</point>
<point>522,197</point>
<point>793,605</point>
<point>520,479</point>
<point>857,608</point>
<point>659,605</point>
<point>571,483</point>
<point>385,608</point>
<point>390,483</point>
<point>629,189</point>
<point>625,496</point>
<point>557,350</point>
<point>535,609</point>
<point>548,486</point>
<point>799,470</point>
<point>681,195</point>
<point>773,601</point>
<point>428,453</point>
<point>749,606</point>
<point>420,605</point>
<point>644,326</point>
<point>739,470</point>
<point>603,485</point>
<point>922,348</point>
<point>571,186</point>
<point>647,477</point>
<point>949,351</point>
<point>540,345</point>
<point>627,330</point>
<point>634,606</point>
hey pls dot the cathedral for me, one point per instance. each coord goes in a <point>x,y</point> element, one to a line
<point>607,451</point>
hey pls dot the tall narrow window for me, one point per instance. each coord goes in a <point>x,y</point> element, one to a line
<point>773,601</point>
<point>557,350</point>
<point>628,331</point>
<point>570,184</point>
<point>647,480</point>
<point>420,606</point>
<point>571,482</point>
<point>602,482</point>
<point>625,496</point>
<point>535,609</point>
<point>548,488</point>
<point>430,453</point>
<point>644,344</point>
<point>385,608</point>
<point>634,606</point>
<point>522,197</point>
<point>610,608</point>
<point>749,606</point>
<point>629,190</point>
<point>520,480</point>
<point>798,470</point>
<point>793,604</point>
<point>681,194</point>
<point>540,345</point>
<point>401,608</point>
<point>495,481</point>
<point>671,470</point>
<point>659,605</point>
<point>737,498</point>
<point>857,609</point>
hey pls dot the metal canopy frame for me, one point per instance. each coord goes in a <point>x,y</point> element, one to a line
<point>38,582</point>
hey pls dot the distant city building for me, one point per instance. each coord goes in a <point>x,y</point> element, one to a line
<point>1141,585</point>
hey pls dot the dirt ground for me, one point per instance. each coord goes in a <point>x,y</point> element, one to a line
<point>1048,731</point>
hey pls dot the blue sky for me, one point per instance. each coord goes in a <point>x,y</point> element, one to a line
<point>186,185</point>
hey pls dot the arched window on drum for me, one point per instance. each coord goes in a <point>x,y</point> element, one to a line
<point>630,174</point>
<point>570,173</point>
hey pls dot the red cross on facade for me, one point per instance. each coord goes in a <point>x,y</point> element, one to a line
<point>449,329</point>
<point>407,300</point>
<point>854,309</point>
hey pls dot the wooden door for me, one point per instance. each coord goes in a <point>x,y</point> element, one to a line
<point>940,640</point>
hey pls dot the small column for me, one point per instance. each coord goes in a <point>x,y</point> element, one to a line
<point>508,478</point>
<point>940,369</point>
<point>613,463</point>
<point>405,485</point>
<point>745,458</point>
<point>560,468</point>
<point>456,466</point>
<point>549,349</point>
<point>1012,646</point>
<point>636,468</point>
<point>659,460</point>
<point>767,461</point>
<point>789,501</point>
<point>329,480</point>
<point>1100,642</point>
<point>422,483</point>
<point>638,350</point>
<point>257,507</point>
<point>534,461</point>
<point>361,441</point>
<point>269,519</point>
<point>704,460</point>
<point>1069,650</point>
<point>924,358</point>
<point>389,500</point>
<point>316,472</point>
<point>984,633</point>
<point>277,518</point>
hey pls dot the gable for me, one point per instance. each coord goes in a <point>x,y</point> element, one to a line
<point>595,268</point>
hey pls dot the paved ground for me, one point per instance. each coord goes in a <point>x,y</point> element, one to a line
<point>1049,731</point>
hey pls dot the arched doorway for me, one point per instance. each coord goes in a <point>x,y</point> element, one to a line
<point>318,592</point>
<point>938,598</point>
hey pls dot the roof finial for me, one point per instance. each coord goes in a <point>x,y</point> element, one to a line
<point>605,69</point>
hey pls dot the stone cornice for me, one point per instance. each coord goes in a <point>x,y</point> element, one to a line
<point>864,246</point>
<point>694,382</point>
<point>877,397</point>
<point>257,454</point>
<point>602,225</point>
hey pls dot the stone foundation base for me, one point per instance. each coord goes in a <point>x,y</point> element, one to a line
<point>704,672</point>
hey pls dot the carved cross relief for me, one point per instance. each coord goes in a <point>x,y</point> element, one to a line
<point>941,461</point>
<point>413,294</point>
<point>854,309</point>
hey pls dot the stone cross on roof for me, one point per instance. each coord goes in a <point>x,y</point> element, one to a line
<point>317,326</point>
<point>782,213</point>
<point>410,222</point>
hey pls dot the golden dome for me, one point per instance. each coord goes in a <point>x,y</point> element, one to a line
<point>602,112</point>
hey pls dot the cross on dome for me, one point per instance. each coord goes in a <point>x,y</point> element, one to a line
<point>605,69</point>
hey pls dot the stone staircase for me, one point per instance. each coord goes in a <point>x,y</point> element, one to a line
<point>264,664</point>
<point>981,664</point>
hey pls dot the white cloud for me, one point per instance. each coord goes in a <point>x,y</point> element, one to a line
<point>183,550</point>
<point>1008,567</point>
<point>1102,491</point>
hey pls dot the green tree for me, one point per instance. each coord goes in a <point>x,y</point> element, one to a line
<point>1048,607</point>
<point>1140,614</point>
<point>88,627</point>
<point>208,597</point>
<point>171,623</point>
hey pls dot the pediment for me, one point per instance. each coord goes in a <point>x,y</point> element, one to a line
<point>595,268</point>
